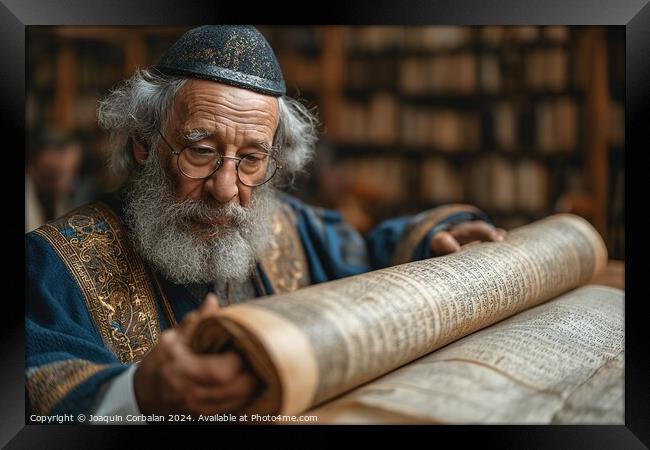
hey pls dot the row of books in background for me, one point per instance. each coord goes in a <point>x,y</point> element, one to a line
<point>471,73</point>
<point>454,74</point>
<point>493,182</point>
<point>375,39</point>
<point>548,125</point>
<point>555,125</point>
<point>97,67</point>
<point>382,120</point>
<point>463,73</point>
<point>446,130</point>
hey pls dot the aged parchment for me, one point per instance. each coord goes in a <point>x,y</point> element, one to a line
<point>318,342</point>
<point>560,362</point>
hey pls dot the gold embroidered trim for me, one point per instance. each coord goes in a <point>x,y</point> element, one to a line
<point>406,245</point>
<point>49,384</point>
<point>94,247</point>
<point>285,263</point>
<point>169,313</point>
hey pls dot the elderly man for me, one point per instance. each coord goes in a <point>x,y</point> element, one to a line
<point>116,287</point>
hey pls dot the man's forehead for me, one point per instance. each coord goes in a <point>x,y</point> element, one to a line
<point>201,106</point>
<point>196,89</point>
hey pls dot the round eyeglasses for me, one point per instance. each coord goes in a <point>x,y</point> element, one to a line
<point>196,162</point>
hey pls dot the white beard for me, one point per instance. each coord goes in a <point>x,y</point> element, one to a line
<point>167,235</point>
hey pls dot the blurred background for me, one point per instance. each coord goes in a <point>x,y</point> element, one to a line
<point>521,121</point>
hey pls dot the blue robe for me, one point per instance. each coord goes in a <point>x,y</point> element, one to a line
<point>93,306</point>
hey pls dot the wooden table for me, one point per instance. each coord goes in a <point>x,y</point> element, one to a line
<point>613,275</point>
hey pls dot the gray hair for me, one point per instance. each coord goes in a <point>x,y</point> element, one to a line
<point>141,105</point>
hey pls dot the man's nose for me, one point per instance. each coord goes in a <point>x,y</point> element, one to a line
<point>222,184</point>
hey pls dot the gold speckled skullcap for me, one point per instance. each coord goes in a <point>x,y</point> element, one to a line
<point>235,55</point>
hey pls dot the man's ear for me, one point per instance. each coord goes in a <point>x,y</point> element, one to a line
<point>139,148</point>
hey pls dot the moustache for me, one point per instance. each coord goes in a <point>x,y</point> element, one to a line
<point>200,211</point>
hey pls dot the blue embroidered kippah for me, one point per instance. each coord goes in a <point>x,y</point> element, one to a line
<point>235,55</point>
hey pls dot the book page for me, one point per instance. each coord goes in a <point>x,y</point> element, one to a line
<point>561,362</point>
<point>599,400</point>
<point>361,327</point>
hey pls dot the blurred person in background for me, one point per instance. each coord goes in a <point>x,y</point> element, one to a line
<point>206,139</point>
<point>53,162</point>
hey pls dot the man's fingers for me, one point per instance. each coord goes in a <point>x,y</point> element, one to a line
<point>188,324</point>
<point>444,243</point>
<point>208,307</point>
<point>172,343</point>
<point>476,230</point>
<point>210,304</point>
<point>215,389</point>
<point>214,369</point>
<point>242,387</point>
<point>208,369</point>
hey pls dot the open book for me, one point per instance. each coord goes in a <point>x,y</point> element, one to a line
<point>473,336</point>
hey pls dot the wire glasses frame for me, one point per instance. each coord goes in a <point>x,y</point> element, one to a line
<point>260,162</point>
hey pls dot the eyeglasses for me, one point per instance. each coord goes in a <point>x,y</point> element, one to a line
<point>253,169</point>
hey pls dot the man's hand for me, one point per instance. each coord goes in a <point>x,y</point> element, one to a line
<point>445,242</point>
<point>171,378</point>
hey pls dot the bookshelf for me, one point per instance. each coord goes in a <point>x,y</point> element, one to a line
<point>70,68</point>
<point>522,121</point>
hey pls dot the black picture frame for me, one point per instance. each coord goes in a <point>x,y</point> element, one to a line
<point>15,15</point>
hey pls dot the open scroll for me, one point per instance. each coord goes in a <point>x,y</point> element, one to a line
<point>316,343</point>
